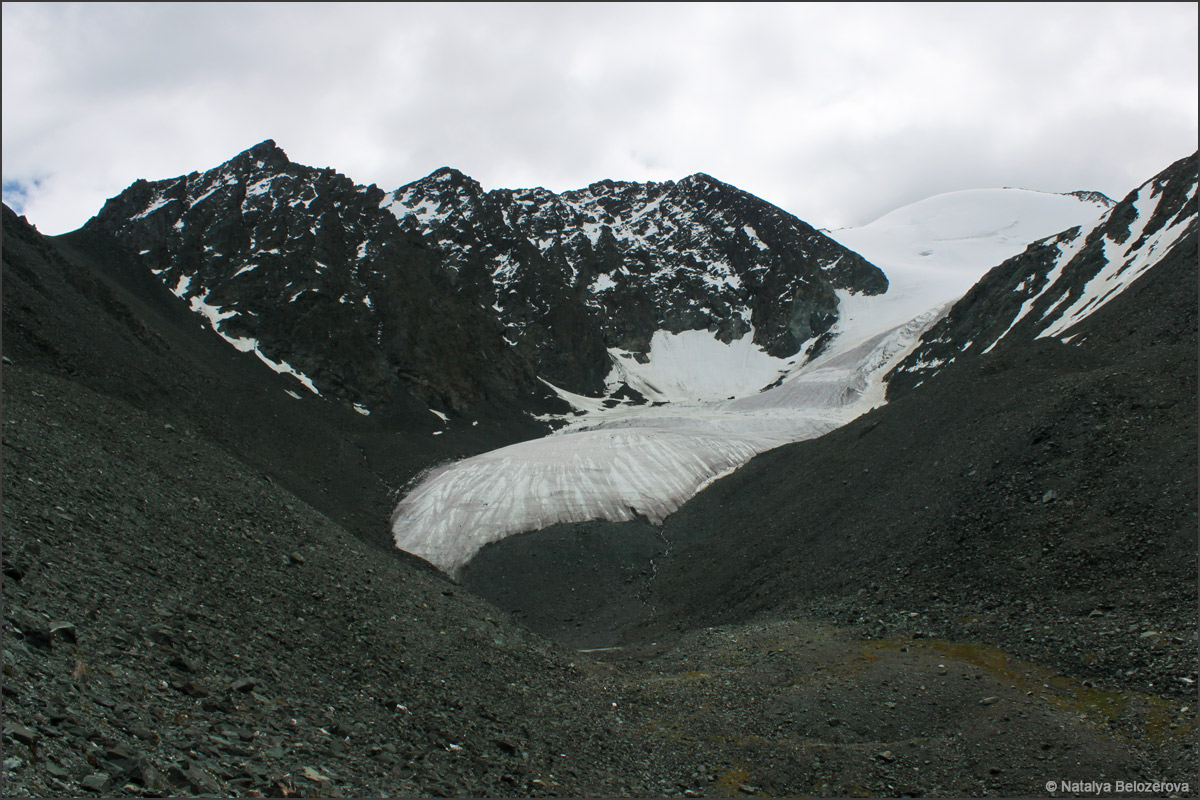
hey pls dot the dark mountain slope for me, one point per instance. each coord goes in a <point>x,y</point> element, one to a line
<point>1041,498</point>
<point>224,638</point>
<point>304,266</point>
<point>83,307</point>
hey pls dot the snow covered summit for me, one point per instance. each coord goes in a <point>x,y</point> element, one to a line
<point>1060,281</point>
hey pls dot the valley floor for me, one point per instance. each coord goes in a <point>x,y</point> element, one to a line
<point>794,706</point>
<point>175,624</point>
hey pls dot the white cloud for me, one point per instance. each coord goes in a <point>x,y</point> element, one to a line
<point>838,113</point>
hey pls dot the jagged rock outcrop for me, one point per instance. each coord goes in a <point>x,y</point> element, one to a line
<point>610,264</point>
<point>1093,197</point>
<point>466,297</point>
<point>302,267</point>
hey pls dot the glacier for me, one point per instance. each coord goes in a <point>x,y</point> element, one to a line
<point>716,405</point>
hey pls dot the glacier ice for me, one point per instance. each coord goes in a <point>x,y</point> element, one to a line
<point>623,463</point>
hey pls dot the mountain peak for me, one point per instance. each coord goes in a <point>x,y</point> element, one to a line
<point>1099,198</point>
<point>443,180</point>
<point>449,175</point>
<point>701,179</point>
<point>265,152</point>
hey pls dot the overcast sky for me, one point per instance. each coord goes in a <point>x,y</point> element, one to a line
<point>837,113</point>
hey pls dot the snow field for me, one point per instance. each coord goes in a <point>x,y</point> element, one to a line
<point>693,365</point>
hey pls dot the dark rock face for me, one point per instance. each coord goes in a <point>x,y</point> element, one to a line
<point>608,265</point>
<point>1057,282</point>
<point>303,265</point>
<point>466,297</point>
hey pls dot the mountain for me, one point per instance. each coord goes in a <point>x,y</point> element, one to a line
<point>1061,281</point>
<point>987,578</point>
<point>1063,456</point>
<point>84,307</point>
<point>633,259</point>
<point>302,268</point>
<point>718,404</point>
<point>464,298</point>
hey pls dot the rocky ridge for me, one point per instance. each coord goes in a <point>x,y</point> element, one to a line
<point>1093,197</point>
<point>302,268</point>
<point>1058,282</point>
<point>632,259</point>
<point>465,297</point>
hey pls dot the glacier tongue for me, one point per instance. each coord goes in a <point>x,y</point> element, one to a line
<point>616,475</point>
<point>619,464</point>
